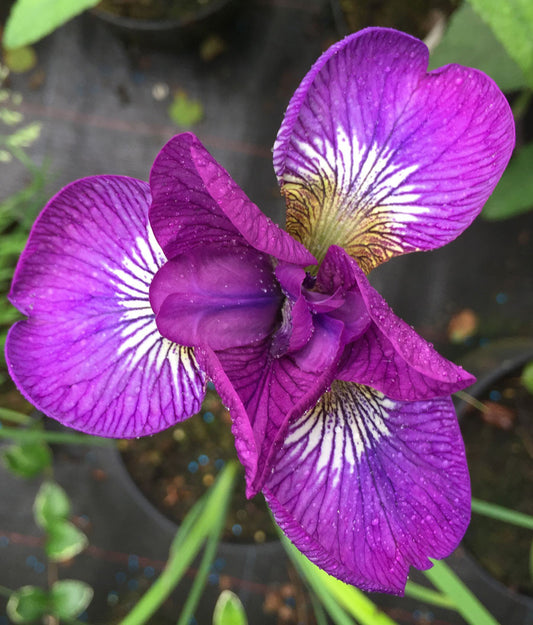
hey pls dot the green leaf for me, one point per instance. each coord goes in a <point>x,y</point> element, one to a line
<point>31,20</point>
<point>469,41</point>
<point>229,610</point>
<point>196,527</point>
<point>20,60</point>
<point>184,111</point>
<point>428,595</point>
<point>527,377</point>
<point>6,414</point>
<point>507,515</point>
<point>64,541</point>
<point>336,596</point>
<point>51,505</point>
<point>468,606</point>
<point>514,193</point>
<point>30,435</point>
<point>69,598</point>
<point>512,23</point>
<point>27,459</point>
<point>27,604</point>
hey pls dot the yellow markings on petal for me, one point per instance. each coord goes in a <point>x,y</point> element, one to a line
<point>353,197</point>
<point>347,422</point>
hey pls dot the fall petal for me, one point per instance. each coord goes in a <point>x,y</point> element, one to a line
<point>90,354</point>
<point>366,486</point>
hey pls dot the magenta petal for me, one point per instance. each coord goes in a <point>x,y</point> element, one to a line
<point>323,347</point>
<point>90,354</point>
<point>390,356</point>
<point>220,298</point>
<point>381,158</point>
<point>262,394</point>
<point>367,487</point>
<point>196,202</point>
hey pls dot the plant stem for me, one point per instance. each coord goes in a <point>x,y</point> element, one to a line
<point>16,417</point>
<point>26,436</point>
<point>467,398</point>
<point>181,557</point>
<point>500,513</point>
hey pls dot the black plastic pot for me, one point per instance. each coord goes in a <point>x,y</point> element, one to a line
<point>126,528</point>
<point>490,364</point>
<point>171,33</point>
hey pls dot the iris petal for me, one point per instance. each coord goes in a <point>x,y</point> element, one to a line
<point>381,158</point>
<point>90,354</point>
<point>390,356</point>
<point>366,486</point>
<point>262,392</point>
<point>196,202</point>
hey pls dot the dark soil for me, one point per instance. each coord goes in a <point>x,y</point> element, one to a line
<point>154,9</point>
<point>499,447</point>
<point>175,468</point>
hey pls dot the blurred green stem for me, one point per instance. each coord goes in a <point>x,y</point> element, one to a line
<point>25,436</point>
<point>186,545</point>
<point>502,514</point>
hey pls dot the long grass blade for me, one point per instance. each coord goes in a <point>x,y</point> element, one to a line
<point>470,608</point>
<point>500,513</point>
<point>189,544</point>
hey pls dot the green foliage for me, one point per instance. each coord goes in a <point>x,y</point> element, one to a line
<point>229,610</point>
<point>470,41</point>
<point>27,459</point>
<point>514,193</point>
<point>31,20</point>
<point>184,111</point>
<point>527,377</point>
<point>512,23</point>
<point>51,509</point>
<point>64,541</point>
<point>27,604</point>
<point>342,602</point>
<point>203,524</point>
<point>500,513</point>
<point>20,60</point>
<point>51,505</point>
<point>66,600</point>
<point>468,606</point>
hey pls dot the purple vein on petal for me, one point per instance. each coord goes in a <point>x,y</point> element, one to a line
<point>366,486</point>
<point>90,354</point>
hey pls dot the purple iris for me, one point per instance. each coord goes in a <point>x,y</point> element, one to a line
<point>136,294</point>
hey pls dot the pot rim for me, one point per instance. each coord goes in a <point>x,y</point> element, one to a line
<point>490,363</point>
<point>158,25</point>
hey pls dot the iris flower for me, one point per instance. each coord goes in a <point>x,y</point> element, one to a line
<point>137,294</point>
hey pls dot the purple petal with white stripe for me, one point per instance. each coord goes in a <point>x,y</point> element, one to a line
<point>90,354</point>
<point>366,486</point>
<point>381,158</point>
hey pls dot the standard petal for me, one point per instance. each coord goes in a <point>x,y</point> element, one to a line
<point>366,487</point>
<point>381,158</point>
<point>262,393</point>
<point>90,355</point>
<point>196,202</point>
<point>390,356</point>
